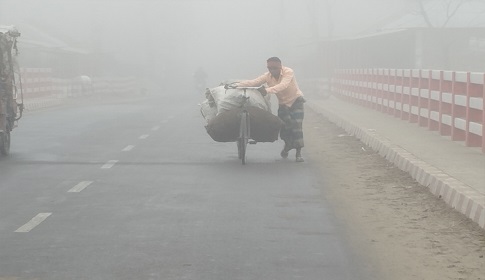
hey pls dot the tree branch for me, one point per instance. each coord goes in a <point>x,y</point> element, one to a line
<point>424,13</point>
<point>448,15</point>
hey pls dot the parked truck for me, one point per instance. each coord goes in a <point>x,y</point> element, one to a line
<point>10,86</point>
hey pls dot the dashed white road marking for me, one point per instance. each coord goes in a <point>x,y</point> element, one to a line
<point>81,186</point>
<point>34,222</point>
<point>109,164</point>
<point>155,128</point>
<point>128,148</point>
<point>144,136</point>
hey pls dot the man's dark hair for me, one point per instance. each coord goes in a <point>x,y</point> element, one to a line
<point>274,59</point>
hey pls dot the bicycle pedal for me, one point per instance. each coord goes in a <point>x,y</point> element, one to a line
<point>252,142</point>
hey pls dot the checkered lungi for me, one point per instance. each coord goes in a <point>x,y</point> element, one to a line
<point>292,130</point>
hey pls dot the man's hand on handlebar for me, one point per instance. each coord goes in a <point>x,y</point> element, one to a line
<point>228,86</point>
<point>262,90</point>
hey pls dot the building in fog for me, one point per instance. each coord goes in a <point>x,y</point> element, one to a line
<point>429,37</point>
<point>461,49</point>
<point>65,55</point>
<point>40,49</point>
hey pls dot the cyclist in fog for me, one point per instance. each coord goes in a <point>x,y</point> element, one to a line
<point>280,81</point>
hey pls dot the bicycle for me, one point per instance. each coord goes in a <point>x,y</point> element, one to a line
<point>244,125</point>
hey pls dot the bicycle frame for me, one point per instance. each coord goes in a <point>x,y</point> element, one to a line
<point>244,130</point>
<point>244,126</point>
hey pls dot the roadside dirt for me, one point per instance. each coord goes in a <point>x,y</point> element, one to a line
<point>399,226</point>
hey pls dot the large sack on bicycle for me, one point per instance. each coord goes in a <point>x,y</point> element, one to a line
<point>225,126</point>
<point>264,125</point>
<point>208,110</point>
<point>229,99</point>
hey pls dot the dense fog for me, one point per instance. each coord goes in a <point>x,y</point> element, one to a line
<point>367,155</point>
<point>229,38</point>
<point>168,40</point>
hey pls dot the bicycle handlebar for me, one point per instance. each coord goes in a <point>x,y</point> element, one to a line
<point>236,87</point>
<point>248,87</point>
<point>261,88</point>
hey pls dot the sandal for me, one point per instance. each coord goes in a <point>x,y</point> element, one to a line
<point>284,153</point>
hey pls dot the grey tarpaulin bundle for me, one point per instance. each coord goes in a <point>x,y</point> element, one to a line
<point>222,111</point>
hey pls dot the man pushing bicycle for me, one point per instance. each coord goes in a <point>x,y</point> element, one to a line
<point>280,81</point>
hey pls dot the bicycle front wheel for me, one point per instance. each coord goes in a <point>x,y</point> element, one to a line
<point>243,137</point>
<point>239,149</point>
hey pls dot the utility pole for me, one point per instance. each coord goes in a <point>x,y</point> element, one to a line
<point>312,7</point>
<point>282,34</point>
<point>330,23</point>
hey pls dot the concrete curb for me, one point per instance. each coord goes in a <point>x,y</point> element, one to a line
<point>458,195</point>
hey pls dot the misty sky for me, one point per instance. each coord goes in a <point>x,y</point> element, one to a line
<point>229,38</point>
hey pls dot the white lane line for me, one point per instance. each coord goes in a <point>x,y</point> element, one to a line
<point>128,148</point>
<point>144,136</point>
<point>34,222</point>
<point>155,128</point>
<point>109,164</point>
<point>81,186</point>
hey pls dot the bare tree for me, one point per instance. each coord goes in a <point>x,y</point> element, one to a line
<point>449,7</point>
<point>424,13</point>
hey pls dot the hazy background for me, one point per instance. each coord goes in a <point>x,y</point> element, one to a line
<point>171,38</point>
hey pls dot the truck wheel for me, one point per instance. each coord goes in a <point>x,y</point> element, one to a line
<point>4,143</point>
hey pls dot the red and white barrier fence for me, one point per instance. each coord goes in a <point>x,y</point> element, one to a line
<point>452,103</point>
<point>40,83</point>
<point>36,82</point>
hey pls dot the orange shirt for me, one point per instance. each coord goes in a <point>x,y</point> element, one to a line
<point>285,88</point>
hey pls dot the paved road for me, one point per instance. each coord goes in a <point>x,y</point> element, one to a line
<point>137,190</point>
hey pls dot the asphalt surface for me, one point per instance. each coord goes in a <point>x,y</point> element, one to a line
<point>136,189</point>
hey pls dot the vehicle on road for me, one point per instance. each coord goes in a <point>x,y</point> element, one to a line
<point>10,89</point>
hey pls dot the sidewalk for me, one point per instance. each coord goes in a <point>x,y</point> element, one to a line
<point>450,170</point>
